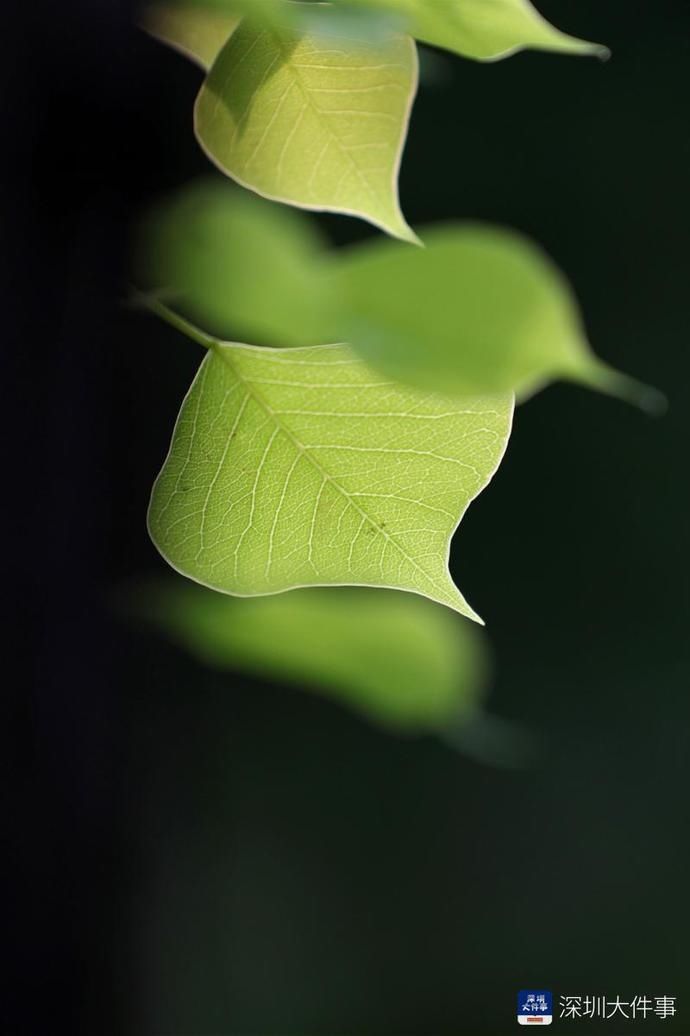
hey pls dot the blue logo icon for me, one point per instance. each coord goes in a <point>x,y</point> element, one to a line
<point>534,1007</point>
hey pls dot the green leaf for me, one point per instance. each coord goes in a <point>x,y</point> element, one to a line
<point>302,467</point>
<point>262,12</point>
<point>311,119</point>
<point>266,12</point>
<point>239,265</point>
<point>479,310</point>
<point>199,28</point>
<point>483,29</point>
<point>196,31</point>
<point>401,661</point>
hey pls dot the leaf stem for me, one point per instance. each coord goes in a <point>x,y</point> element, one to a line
<point>154,305</point>
<point>599,375</point>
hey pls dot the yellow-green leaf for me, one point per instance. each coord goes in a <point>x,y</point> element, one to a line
<point>479,309</point>
<point>302,467</point>
<point>401,661</point>
<point>313,120</point>
<point>483,29</point>
<point>195,30</point>
<point>239,265</point>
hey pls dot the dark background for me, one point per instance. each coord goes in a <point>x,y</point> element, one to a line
<point>194,854</point>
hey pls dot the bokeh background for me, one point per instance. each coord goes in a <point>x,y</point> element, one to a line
<point>199,854</point>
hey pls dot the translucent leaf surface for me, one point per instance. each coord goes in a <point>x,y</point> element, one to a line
<point>483,29</point>
<point>479,309</point>
<point>302,467</point>
<point>196,30</point>
<point>263,12</point>
<point>199,28</point>
<point>396,658</point>
<point>239,265</point>
<point>312,120</point>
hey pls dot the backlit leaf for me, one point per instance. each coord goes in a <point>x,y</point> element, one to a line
<point>479,309</point>
<point>239,265</point>
<point>196,30</point>
<point>302,467</point>
<point>483,29</point>
<point>315,121</point>
<point>398,659</point>
<point>262,12</point>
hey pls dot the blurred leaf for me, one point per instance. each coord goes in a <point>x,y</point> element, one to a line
<point>266,13</point>
<point>483,29</point>
<point>478,310</point>
<point>494,741</point>
<point>241,266</point>
<point>301,467</point>
<point>196,31</point>
<point>398,659</point>
<point>199,28</point>
<point>353,22</point>
<point>310,120</point>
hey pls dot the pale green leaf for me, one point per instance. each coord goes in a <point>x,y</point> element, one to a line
<point>195,30</point>
<point>479,309</point>
<point>398,659</point>
<point>264,12</point>
<point>268,12</point>
<point>315,121</point>
<point>239,265</point>
<point>302,467</point>
<point>483,29</point>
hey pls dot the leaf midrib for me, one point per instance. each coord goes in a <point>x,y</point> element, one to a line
<point>323,117</point>
<point>222,352</point>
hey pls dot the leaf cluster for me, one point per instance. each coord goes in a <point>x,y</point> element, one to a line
<point>309,103</point>
<point>351,404</point>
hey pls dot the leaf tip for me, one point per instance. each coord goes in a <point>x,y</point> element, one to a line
<point>457,602</point>
<point>492,740</point>
<point>585,48</point>
<point>596,50</point>
<point>402,230</point>
<point>605,379</point>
